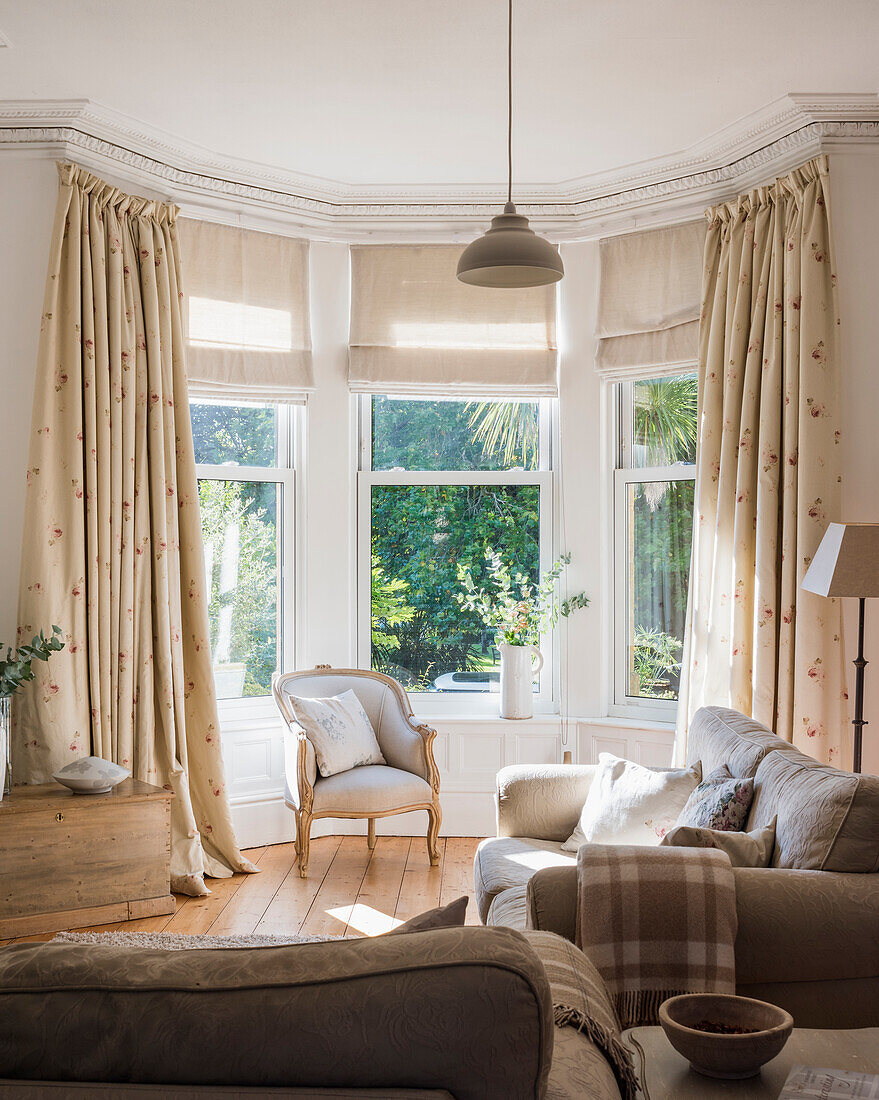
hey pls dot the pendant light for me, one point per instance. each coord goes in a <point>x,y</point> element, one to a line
<point>510,254</point>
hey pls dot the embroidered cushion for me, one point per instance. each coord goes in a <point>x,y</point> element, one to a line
<point>752,849</point>
<point>340,731</point>
<point>719,802</point>
<point>630,804</point>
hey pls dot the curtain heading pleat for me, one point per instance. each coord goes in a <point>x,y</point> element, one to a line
<point>246,313</point>
<point>416,329</point>
<point>649,301</point>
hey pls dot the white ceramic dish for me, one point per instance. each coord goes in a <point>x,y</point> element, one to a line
<point>91,775</point>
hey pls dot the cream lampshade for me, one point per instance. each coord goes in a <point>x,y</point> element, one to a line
<point>847,564</point>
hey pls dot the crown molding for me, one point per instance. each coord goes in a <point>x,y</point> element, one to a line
<point>751,150</point>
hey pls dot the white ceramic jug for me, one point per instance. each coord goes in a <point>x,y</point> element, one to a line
<point>517,679</point>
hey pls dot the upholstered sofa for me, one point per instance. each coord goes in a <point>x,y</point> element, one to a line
<point>460,1012</point>
<point>808,925</point>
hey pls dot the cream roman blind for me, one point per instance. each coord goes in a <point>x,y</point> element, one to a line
<point>416,329</point>
<point>246,313</point>
<point>649,301</point>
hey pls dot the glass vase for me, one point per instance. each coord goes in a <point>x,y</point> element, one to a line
<point>5,745</point>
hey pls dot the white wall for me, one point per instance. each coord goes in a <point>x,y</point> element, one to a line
<point>854,204</point>
<point>28,188</point>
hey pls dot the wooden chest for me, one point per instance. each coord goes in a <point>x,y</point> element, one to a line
<point>68,861</point>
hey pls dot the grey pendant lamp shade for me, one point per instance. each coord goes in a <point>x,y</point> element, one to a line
<point>510,254</point>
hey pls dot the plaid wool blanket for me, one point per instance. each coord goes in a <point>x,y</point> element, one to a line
<point>656,922</point>
<point>580,1001</point>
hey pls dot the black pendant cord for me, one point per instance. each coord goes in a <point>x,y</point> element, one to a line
<point>510,104</point>
<point>860,664</point>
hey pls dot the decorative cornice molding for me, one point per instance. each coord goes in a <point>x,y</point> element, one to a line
<point>750,151</point>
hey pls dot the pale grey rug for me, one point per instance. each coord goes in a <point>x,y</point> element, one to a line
<point>171,941</point>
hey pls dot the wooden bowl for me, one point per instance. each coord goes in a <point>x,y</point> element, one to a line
<point>718,1055</point>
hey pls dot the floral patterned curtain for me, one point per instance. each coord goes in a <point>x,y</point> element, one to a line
<point>768,469</point>
<point>112,543</point>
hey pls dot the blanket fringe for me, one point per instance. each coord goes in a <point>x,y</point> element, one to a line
<point>607,1042</point>
<point>640,1007</point>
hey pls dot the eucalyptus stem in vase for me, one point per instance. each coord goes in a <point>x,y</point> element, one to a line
<point>519,611</point>
<point>17,669</point>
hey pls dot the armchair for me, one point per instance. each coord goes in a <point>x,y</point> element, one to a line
<point>409,780</point>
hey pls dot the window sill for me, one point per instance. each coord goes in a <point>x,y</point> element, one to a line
<point>450,717</point>
<point>615,722</point>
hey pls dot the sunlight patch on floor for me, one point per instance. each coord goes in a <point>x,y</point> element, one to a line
<point>365,919</point>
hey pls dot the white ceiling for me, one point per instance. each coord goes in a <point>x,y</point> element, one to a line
<point>410,93</point>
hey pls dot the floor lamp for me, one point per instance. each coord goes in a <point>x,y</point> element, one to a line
<point>847,564</point>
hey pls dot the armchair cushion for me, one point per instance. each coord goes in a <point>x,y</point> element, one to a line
<point>340,731</point>
<point>372,789</point>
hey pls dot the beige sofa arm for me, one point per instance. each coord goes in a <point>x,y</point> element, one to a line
<point>797,926</point>
<point>793,926</point>
<point>415,1010</point>
<point>542,800</point>
<point>552,901</point>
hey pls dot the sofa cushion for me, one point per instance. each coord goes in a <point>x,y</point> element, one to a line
<point>340,730</point>
<point>442,916</point>
<point>828,820</point>
<point>752,849</point>
<point>719,802</point>
<point>505,861</point>
<point>719,736</point>
<point>630,804</point>
<point>509,909</point>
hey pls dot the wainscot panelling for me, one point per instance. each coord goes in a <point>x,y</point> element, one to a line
<point>469,753</point>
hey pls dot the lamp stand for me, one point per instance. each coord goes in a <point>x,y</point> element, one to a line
<point>860,664</point>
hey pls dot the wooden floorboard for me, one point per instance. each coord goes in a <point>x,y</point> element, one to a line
<point>373,910</point>
<point>349,891</point>
<point>420,888</point>
<point>293,900</point>
<point>458,874</point>
<point>327,915</point>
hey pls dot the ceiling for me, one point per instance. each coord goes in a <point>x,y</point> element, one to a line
<point>397,93</point>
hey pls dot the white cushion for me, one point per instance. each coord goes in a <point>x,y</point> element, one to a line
<point>371,789</point>
<point>339,730</point>
<point>630,804</point>
<point>752,849</point>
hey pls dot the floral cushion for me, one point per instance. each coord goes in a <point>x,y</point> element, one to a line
<point>719,802</point>
<point>340,730</point>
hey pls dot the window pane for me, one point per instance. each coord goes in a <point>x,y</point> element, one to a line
<point>409,434</point>
<point>240,525</point>
<point>234,435</point>
<point>659,529</point>
<point>420,533</point>
<point>663,429</point>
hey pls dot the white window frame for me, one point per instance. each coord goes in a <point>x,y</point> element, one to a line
<point>461,703</point>
<point>624,474</point>
<point>283,475</point>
